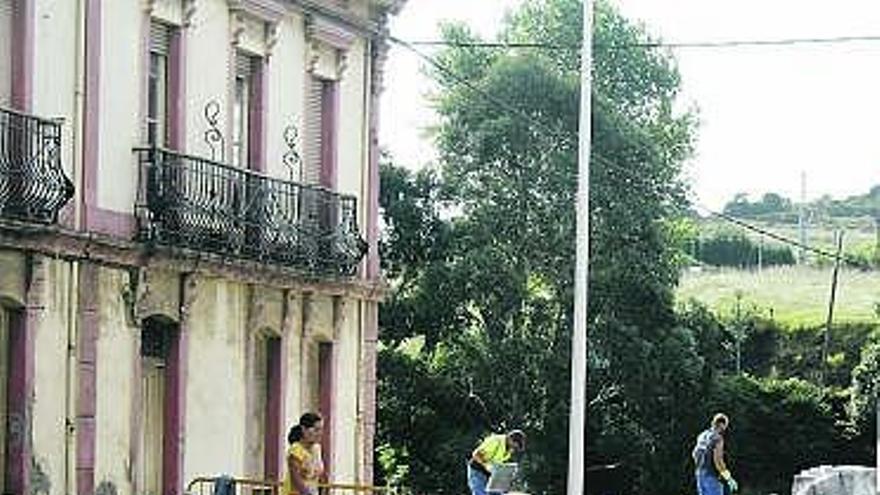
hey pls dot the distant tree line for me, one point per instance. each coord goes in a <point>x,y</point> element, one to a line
<point>779,208</point>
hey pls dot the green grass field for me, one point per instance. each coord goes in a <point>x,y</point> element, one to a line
<point>796,296</point>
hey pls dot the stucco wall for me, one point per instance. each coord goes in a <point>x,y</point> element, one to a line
<point>207,72</point>
<point>55,69</point>
<point>120,94</point>
<point>215,388</point>
<point>352,165</point>
<point>116,359</point>
<point>293,394</point>
<point>12,277</point>
<point>50,376</point>
<point>347,373</point>
<point>286,95</point>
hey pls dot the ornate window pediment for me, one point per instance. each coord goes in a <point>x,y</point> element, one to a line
<point>254,24</point>
<point>328,44</point>
<point>173,12</point>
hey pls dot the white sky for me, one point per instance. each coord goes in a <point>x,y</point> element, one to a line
<point>767,113</point>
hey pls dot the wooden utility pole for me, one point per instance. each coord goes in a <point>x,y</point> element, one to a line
<point>825,345</point>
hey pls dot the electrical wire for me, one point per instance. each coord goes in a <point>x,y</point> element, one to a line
<point>783,239</point>
<point>510,107</point>
<point>833,40</point>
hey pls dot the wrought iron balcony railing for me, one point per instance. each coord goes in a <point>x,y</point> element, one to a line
<point>203,205</point>
<point>33,187</point>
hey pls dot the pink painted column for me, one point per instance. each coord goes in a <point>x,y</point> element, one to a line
<point>329,133</point>
<point>175,393</point>
<point>172,468</point>
<point>23,57</point>
<point>91,138</point>
<point>177,91</point>
<point>86,367</point>
<point>19,400</point>
<point>258,116</point>
<point>274,400</point>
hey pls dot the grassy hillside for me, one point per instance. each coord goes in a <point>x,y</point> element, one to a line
<point>795,295</point>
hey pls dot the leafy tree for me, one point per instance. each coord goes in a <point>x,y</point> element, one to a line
<point>488,288</point>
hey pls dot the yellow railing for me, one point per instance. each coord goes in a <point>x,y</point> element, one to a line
<point>244,486</point>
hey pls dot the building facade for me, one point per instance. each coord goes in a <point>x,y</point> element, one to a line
<point>188,238</point>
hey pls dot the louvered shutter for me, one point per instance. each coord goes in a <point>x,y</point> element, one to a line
<point>244,65</point>
<point>5,51</point>
<point>160,37</point>
<point>313,120</point>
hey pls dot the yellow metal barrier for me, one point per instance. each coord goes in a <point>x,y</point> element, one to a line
<point>245,486</point>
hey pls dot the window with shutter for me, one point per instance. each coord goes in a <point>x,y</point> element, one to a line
<point>5,52</point>
<point>320,152</point>
<point>243,108</point>
<point>313,121</point>
<point>157,84</point>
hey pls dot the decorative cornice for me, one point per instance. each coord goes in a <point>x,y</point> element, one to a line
<point>321,32</point>
<point>329,33</point>
<point>266,10</point>
<point>272,31</point>
<point>68,245</point>
<point>189,11</point>
<point>237,26</point>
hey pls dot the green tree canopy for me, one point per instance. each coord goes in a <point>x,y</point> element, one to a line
<point>481,258</point>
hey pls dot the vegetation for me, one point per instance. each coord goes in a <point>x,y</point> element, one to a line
<point>796,296</point>
<point>774,206</point>
<point>476,331</point>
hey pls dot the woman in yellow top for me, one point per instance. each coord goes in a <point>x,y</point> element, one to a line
<point>304,463</point>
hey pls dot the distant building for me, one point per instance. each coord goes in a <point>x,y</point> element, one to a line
<point>188,238</point>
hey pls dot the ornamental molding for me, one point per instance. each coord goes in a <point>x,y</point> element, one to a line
<point>265,10</point>
<point>324,35</point>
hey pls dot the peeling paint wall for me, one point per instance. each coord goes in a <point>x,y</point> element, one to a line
<point>215,387</point>
<point>51,377</point>
<point>116,346</point>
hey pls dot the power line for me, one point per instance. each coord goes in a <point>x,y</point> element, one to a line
<point>832,40</point>
<point>510,107</point>
<point>786,240</point>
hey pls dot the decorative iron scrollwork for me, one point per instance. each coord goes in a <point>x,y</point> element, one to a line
<point>213,136</point>
<point>33,185</point>
<point>203,205</point>
<point>291,158</point>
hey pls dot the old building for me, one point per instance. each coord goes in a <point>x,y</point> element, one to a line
<point>188,238</point>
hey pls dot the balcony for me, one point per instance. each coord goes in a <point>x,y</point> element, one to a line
<point>33,187</point>
<point>206,206</point>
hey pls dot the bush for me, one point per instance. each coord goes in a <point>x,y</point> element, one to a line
<point>778,428</point>
<point>737,250</point>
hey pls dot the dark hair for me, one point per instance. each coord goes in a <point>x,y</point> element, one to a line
<point>518,438</point>
<point>307,420</point>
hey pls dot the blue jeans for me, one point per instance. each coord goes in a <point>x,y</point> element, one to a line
<point>708,483</point>
<point>477,482</point>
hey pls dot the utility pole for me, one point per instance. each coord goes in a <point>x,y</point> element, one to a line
<point>802,220</point>
<point>738,332</point>
<point>760,255</point>
<point>831,305</point>
<point>877,238</point>
<point>577,413</point>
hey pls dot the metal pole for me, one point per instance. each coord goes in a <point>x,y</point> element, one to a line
<point>577,414</point>
<point>825,345</point>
